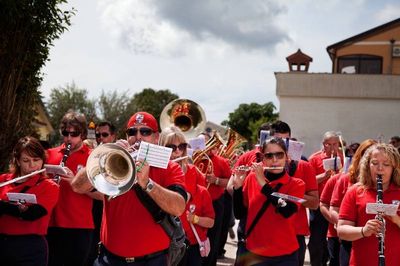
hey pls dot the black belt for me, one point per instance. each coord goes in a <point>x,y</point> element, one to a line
<point>133,259</point>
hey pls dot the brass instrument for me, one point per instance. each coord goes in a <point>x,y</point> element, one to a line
<point>185,114</point>
<point>231,150</point>
<point>200,158</point>
<point>111,169</point>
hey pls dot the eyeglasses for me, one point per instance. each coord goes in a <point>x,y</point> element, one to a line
<point>278,155</point>
<point>70,133</point>
<point>181,146</point>
<point>102,134</point>
<point>144,131</point>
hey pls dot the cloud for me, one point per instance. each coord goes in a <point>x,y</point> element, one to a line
<point>389,12</point>
<point>179,27</point>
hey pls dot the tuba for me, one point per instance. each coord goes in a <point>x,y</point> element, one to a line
<point>111,169</point>
<point>185,114</point>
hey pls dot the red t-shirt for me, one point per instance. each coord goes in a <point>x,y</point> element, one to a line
<point>365,250</point>
<point>73,210</point>
<point>46,192</point>
<point>340,190</point>
<point>128,229</point>
<point>305,172</point>
<point>273,235</point>
<point>202,200</point>
<point>326,198</point>
<point>248,158</point>
<point>221,170</point>
<point>316,160</point>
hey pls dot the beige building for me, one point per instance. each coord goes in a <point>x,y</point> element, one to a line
<point>42,125</point>
<point>360,99</point>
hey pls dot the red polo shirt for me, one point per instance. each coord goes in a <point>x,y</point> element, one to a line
<point>221,170</point>
<point>340,190</point>
<point>128,229</point>
<point>248,158</point>
<point>305,172</point>
<point>73,210</point>
<point>365,250</point>
<point>326,198</point>
<point>273,235</point>
<point>46,192</point>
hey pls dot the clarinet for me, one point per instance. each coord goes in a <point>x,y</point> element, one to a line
<point>67,150</point>
<point>381,234</point>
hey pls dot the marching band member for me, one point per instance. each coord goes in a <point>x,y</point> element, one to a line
<point>358,226</point>
<point>23,226</point>
<point>317,244</point>
<point>71,225</point>
<point>274,236</point>
<point>129,234</point>
<point>199,209</point>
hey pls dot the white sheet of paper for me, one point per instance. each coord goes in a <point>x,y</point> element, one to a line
<point>264,135</point>
<point>198,143</point>
<point>329,164</point>
<point>155,155</point>
<point>388,209</point>
<point>288,197</point>
<point>295,149</point>
<point>55,169</point>
<point>21,197</point>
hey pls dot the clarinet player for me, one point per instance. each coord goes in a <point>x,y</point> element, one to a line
<point>362,228</point>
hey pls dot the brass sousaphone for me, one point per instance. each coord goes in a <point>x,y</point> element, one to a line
<point>185,114</point>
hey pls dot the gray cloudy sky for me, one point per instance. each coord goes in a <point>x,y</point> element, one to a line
<point>218,53</point>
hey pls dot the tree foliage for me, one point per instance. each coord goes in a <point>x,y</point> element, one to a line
<point>27,30</point>
<point>247,118</point>
<point>151,101</point>
<point>69,98</point>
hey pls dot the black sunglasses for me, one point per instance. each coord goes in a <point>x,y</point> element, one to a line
<point>70,133</point>
<point>144,131</point>
<point>181,146</point>
<point>278,155</point>
<point>103,134</point>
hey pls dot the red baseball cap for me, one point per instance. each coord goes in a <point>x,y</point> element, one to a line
<point>145,119</point>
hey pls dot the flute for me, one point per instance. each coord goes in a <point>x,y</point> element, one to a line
<point>248,168</point>
<point>379,216</point>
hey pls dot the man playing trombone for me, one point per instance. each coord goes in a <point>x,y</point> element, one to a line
<point>129,233</point>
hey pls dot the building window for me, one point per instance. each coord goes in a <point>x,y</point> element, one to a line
<point>360,64</point>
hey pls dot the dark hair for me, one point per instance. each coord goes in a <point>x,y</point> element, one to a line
<point>31,146</point>
<point>280,127</point>
<point>76,120</point>
<point>109,124</point>
<point>352,147</point>
<point>274,140</point>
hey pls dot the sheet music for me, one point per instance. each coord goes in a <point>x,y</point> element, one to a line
<point>288,197</point>
<point>329,164</point>
<point>295,149</point>
<point>22,197</point>
<point>55,169</point>
<point>264,135</point>
<point>388,209</point>
<point>155,155</point>
<point>198,143</point>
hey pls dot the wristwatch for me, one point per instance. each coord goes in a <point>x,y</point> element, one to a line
<point>150,185</point>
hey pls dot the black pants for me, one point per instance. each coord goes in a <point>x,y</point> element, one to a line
<point>226,222</point>
<point>344,254</point>
<point>214,233</point>
<point>68,246</point>
<point>24,250</point>
<point>333,248</point>
<point>317,245</point>
<point>302,249</point>
<point>97,212</point>
<point>192,257</point>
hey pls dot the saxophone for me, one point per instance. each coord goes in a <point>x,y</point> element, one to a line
<point>379,216</point>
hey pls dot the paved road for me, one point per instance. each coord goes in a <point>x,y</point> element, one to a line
<point>230,254</point>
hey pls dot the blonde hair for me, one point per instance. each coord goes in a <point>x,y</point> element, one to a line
<point>169,134</point>
<point>393,156</point>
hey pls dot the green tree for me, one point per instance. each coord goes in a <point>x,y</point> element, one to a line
<point>27,30</point>
<point>150,101</point>
<point>113,108</point>
<point>69,98</point>
<point>247,118</point>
